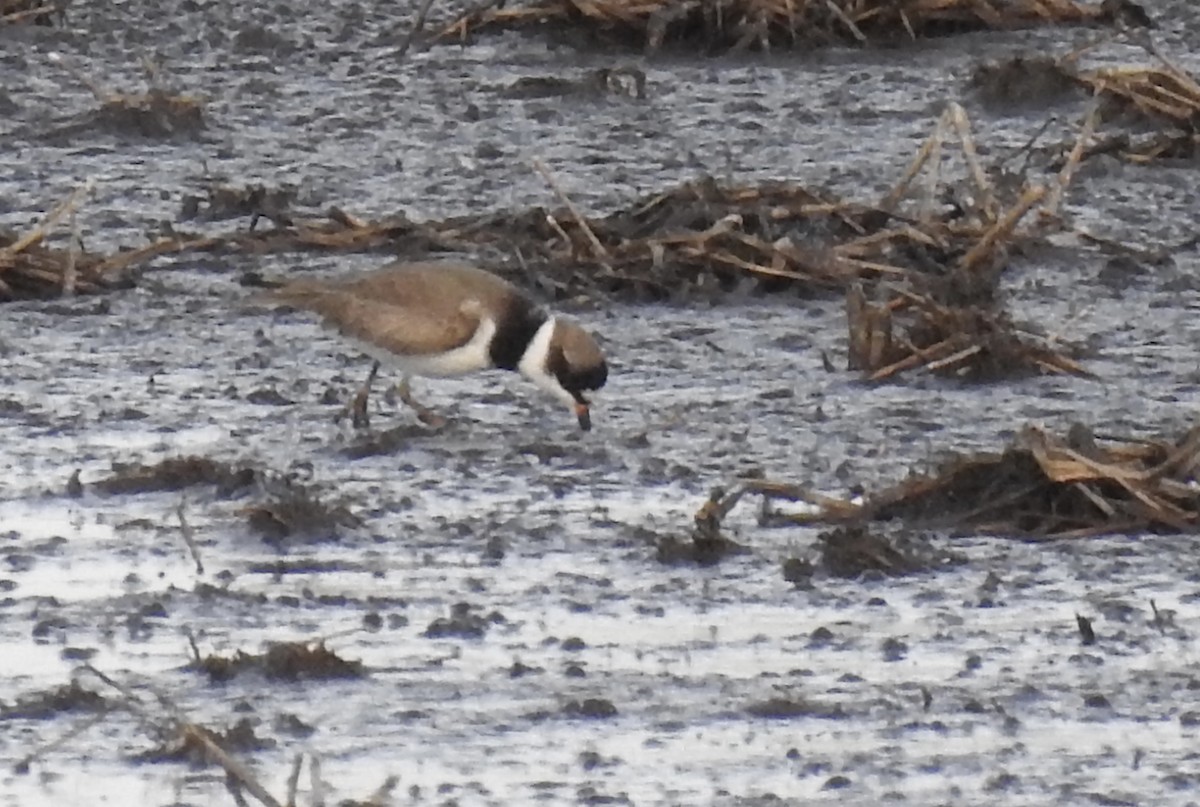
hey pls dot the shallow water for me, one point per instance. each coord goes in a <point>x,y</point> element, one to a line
<point>698,397</point>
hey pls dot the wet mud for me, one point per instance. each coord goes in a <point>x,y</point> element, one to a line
<point>196,560</point>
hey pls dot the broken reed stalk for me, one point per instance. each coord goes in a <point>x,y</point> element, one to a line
<point>599,250</point>
<point>27,14</point>
<point>233,767</point>
<point>102,95</point>
<point>1067,172</point>
<point>417,27</point>
<point>38,233</point>
<point>1002,229</point>
<point>22,765</point>
<point>293,781</point>
<point>69,273</point>
<point>962,124</point>
<point>189,537</point>
<point>851,26</point>
<point>316,783</point>
<point>933,177</point>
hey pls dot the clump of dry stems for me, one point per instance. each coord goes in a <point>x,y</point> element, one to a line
<point>1040,487</point>
<point>737,25</point>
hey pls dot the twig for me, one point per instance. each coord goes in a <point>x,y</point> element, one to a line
<point>897,193</point>
<point>70,276</point>
<point>315,781</point>
<point>600,251</point>
<point>22,765</point>
<point>1065,174</point>
<point>554,225</point>
<point>836,10</point>
<point>21,16</point>
<point>39,232</point>
<point>235,790</point>
<point>185,530</point>
<point>929,197</point>
<point>293,781</point>
<point>233,768</point>
<point>958,116</point>
<point>965,353</point>
<point>1002,228</point>
<point>418,25</point>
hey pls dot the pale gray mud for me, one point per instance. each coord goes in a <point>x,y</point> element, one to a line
<point>728,685</point>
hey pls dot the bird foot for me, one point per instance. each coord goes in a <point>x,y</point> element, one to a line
<point>424,414</point>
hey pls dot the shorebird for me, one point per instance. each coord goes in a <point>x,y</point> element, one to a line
<point>447,319</point>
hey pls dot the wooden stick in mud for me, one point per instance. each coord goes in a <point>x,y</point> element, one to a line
<point>21,16</point>
<point>22,765</point>
<point>189,537</point>
<point>39,232</point>
<point>70,275</point>
<point>1002,229</point>
<point>958,116</point>
<point>235,769</point>
<point>1065,174</point>
<point>890,201</point>
<point>418,26</point>
<point>600,251</point>
<point>293,781</point>
<point>933,175</point>
<point>163,246</point>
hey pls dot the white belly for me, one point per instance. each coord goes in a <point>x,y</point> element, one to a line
<point>468,358</point>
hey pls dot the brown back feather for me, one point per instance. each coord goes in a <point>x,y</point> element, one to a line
<point>409,309</point>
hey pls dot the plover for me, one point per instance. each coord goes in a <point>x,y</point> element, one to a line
<point>447,319</point>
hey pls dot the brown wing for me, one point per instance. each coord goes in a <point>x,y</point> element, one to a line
<point>402,329</point>
<point>434,287</point>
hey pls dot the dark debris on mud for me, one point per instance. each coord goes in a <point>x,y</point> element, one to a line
<point>291,512</point>
<point>854,551</point>
<point>733,26</point>
<point>786,708</point>
<point>1041,487</point>
<point>1159,97</point>
<point>1045,487</point>
<point>464,622</point>
<point>193,744</point>
<point>157,113</point>
<point>282,661</point>
<point>72,697</point>
<point>704,238</point>
<point>968,341</point>
<point>174,474</point>
<point>35,12</point>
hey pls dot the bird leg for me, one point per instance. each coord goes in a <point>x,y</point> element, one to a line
<point>357,406</point>
<point>424,414</point>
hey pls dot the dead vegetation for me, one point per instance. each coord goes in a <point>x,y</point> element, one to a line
<point>173,474</point>
<point>928,252</point>
<point>31,269</point>
<point>72,697</point>
<point>978,342</point>
<point>38,12</point>
<point>1154,107</point>
<point>1041,487</point>
<point>282,661</point>
<point>854,551</point>
<point>180,740</point>
<point>288,511</point>
<point>731,26</point>
<point>156,113</point>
